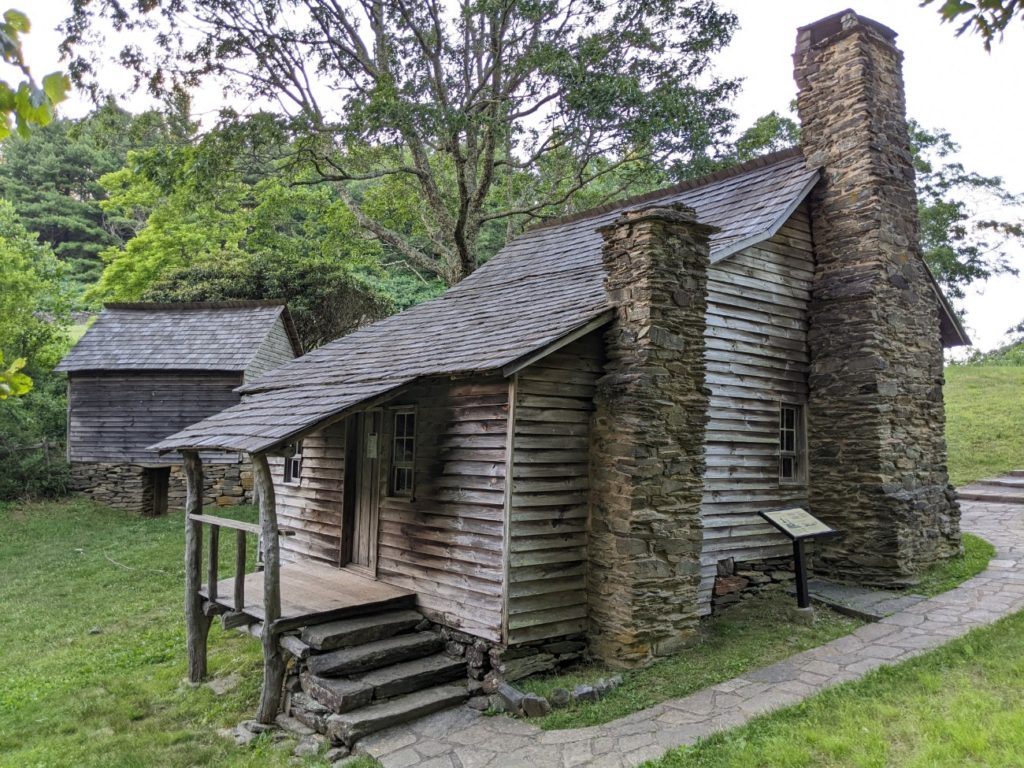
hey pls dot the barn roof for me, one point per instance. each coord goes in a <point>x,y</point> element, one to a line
<point>540,289</point>
<point>198,336</point>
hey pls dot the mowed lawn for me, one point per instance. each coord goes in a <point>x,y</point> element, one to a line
<point>92,655</point>
<point>984,421</point>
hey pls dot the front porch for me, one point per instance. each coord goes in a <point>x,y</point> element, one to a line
<point>311,593</point>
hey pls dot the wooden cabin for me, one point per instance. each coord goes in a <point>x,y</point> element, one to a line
<point>574,442</point>
<point>143,371</point>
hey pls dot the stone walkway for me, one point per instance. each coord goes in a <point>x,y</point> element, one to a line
<point>461,738</point>
<point>860,602</point>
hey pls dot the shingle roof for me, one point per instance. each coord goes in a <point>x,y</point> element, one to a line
<point>542,286</point>
<point>200,336</point>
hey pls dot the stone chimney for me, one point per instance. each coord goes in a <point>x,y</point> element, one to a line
<point>647,450</point>
<point>876,444</point>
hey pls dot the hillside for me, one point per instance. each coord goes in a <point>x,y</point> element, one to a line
<point>984,420</point>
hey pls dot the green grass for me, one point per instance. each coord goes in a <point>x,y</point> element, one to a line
<point>984,421</point>
<point>961,705</point>
<point>92,649</point>
<point>754,633</point>
<point>944,576</point>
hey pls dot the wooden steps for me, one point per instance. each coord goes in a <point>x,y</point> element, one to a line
<point>1008,489</point>
<point>372,672</point>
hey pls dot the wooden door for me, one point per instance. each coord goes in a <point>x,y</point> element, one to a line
<point>362,492</point>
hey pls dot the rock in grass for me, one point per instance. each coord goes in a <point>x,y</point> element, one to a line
<point>559,697</point>
<point>309,745</point>
<point>584,693</point>
<point>535,706</point>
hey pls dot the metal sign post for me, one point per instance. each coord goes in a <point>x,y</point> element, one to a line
<point>799,525</point>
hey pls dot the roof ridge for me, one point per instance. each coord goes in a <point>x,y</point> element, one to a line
<point>225,304</point>
<point>683,186</point>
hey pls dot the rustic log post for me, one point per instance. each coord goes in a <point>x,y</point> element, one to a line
<point>197,624</point>
<point>239,570</point>
<point>274,662</point>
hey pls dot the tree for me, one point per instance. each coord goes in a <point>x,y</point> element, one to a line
<point>33,302</point>
<point>52,178</point>
<point>213,223</point>
<point>466,102</point>
<point>960,245</point>
<point>30,104</point>
<point>989,18</point>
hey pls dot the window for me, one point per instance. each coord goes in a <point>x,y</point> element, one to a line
<point>403,452</point>
<point>791,444</point>
<point>293,464</point>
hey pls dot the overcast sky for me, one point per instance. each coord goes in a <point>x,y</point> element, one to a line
<point>951,83</point>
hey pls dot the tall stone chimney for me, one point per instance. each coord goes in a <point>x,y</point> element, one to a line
<point>876,444</point>
<point>647,450</point>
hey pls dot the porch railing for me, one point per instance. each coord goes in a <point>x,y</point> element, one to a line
<point>241,529</point>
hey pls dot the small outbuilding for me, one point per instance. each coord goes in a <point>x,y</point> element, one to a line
<point>144,371</point>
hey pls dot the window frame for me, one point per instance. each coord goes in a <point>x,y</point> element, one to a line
<point>393,490</point>
<point>292,470</point>
<point>798,454</point>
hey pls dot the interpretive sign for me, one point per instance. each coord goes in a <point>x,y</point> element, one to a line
<point>797,523</point>
<point>800,525</point>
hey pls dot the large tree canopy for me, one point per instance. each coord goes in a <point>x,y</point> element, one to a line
<point>52,178</point>
<point>490,109</point>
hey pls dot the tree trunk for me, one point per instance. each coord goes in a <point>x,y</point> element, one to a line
<point>274,662</point>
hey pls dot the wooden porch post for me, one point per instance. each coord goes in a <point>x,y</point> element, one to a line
<point>274,662</point>
<point>197,624</point>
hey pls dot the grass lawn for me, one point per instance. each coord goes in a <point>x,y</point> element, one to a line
<point>92,648</point>
<point>961,705</point>
<point>751,634</point>
<point>984,421</point>
<point>944,576</point>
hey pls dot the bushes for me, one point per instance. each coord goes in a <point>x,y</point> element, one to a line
<point>32,441</point>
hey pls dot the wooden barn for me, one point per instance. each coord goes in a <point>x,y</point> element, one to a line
<point>143,371</point>
<point>573,444</point>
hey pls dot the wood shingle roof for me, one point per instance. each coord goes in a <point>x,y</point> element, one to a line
<point>540,288</point>
<point>200,336</point>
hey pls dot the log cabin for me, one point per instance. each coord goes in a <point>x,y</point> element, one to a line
<point>573,444</point>
<point>145,370</point>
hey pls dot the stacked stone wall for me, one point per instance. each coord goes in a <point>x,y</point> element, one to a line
<point>125,486</point>
<point>647,440</point>
<point>876,442</point>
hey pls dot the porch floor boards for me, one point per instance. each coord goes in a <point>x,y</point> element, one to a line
<point>312,593</point>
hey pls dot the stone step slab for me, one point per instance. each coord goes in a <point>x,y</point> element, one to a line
<point>993,495</point>
<point>349,727</point>
<point>413,675</point>
<point>380,653</point>
<point>337,694</point>
<point>1002,482</point>
<point>358,630</point>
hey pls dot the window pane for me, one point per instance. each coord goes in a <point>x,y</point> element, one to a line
<point>786,469</point>
<point>788,418</point>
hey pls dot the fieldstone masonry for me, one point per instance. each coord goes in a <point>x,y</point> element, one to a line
<point>647,449</point>
<point>876,444</point>
<point>125,486</point>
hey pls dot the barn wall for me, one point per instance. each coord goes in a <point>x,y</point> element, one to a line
<point>757,358</point>
<point>275,351</point>
<point>550,485</point>
<point>311,510</point>
<point>113,417</point>
<point>447,542</point>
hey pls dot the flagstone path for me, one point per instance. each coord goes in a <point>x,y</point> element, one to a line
<point>462,738</point>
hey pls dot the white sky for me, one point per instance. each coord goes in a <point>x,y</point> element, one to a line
<point>951,83</point>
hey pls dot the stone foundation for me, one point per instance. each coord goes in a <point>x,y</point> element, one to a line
<point>124,486</point>
<point>876,443</point>
<point>647,439</point>
<point>738,582</point>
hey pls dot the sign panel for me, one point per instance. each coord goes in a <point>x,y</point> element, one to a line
<point>797,523</point>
